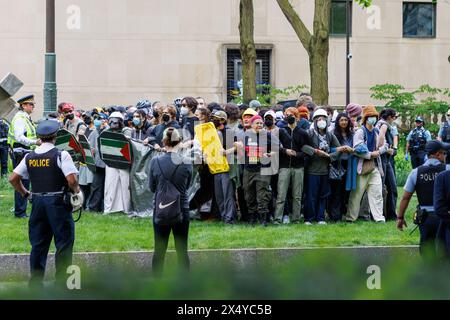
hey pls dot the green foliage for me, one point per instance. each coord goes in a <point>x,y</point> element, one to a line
<point>402,167</point>
<point>426,100</point>
<point>267,94</point>
<point>364,3</point>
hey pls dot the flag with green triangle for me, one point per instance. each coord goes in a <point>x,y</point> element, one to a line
<point>66,141</point>
<point>115,150</point>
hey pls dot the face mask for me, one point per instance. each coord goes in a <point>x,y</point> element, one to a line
<point>216,123</point>
<point>70,116</point>
<point>165,117</point>
<point>97,123</point>
<point>155,114</point>
<point>290,119</point>
<point>372,120</point>
<point>184,111</point>
<point>88,121</point>
<point>268,122</point>
<point>321,124</point>
<point>136,121</point>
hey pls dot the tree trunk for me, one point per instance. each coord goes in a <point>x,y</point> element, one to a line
<point>248,51</point>
<point>319,50</point>
<point>316,44</point>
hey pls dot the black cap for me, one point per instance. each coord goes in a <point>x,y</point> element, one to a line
<point>26,99</point>
<point>47,128</point>
<point>434,146</point>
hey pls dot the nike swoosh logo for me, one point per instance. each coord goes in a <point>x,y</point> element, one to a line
<point>161,206</point>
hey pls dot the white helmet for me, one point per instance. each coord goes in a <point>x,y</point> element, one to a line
<point>116,114</point>
<point>320,112</point>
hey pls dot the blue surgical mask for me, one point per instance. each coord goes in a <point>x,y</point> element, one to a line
<point>136,121</point>
<point>372,120</point>
<point>97,123</point>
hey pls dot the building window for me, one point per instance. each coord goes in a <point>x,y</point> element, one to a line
<point>419,20</point>
<point>234,71</point>
<point>338,18</point>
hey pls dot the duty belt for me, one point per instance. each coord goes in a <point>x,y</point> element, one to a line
<point>3,140</point>
<point>47,194</point>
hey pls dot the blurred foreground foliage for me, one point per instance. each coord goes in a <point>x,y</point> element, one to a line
<point>313,276</point>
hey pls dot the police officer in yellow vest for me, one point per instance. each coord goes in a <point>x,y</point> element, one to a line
<point>22,139</point>
<point>52,174</point>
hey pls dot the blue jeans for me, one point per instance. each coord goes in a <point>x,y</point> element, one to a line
<point>317,191</point>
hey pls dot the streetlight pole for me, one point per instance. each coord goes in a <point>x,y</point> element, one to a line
<point>50,90</point>
<point>349,56</point>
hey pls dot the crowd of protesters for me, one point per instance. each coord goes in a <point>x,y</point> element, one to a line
<point>303,163</point>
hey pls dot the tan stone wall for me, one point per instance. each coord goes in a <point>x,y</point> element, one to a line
<point>126,50</point>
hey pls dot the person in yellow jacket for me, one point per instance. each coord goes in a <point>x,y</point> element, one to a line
<point>22,139</point>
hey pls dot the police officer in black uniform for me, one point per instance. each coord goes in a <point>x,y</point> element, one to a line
<point>421,180</point>
<point>444,133</point>
<point>52,173</point>
<point>415,143</point>
<point>4,128</point>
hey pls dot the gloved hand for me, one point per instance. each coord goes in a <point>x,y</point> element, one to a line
<point>76,200</point>
<point>406,157</point>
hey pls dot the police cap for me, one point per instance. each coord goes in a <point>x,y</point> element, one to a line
<point>47,128</point>
<point>434,146</point>
<point>26,99</point>
<point>419,119</point>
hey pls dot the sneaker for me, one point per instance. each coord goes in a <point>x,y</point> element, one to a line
<point>285,219</point>
<point>380,221</point>
<point>323,223</point>
<point>276,222</point>
<point>307,223</point>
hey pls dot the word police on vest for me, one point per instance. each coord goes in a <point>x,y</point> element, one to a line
<point>39,163</point>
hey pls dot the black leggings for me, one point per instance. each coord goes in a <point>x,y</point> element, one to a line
<point>162,233</point>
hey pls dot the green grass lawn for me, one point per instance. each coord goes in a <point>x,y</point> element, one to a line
<point>119,233</point>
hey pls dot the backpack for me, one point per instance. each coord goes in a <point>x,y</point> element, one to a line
<point>168,202</point>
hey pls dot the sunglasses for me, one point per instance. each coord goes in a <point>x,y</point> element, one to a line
<point>448,114</point>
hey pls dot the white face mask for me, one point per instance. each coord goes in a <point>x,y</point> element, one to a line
<point>321,124</point>
<point>372,120</point>
<point>184,111</point>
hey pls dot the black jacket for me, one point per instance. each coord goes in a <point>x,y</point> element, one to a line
<point>155,134</point>
<point>181,179</point>
<point>295,140</point>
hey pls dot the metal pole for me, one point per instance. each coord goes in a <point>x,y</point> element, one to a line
<point>50,90</point>
<point>349,21</point>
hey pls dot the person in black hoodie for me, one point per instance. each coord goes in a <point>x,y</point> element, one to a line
<point>292,139</point>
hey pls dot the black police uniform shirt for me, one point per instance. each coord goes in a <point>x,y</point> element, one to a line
<point>65,163</point>
<point>411,182</point>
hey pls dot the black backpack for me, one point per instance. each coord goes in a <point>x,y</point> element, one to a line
<point>168,202</point>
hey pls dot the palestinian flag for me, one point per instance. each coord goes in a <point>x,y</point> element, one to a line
<point>115,150</point>
<point>65,141</point>
<point>87,152</point>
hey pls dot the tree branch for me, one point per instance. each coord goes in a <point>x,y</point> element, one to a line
<point>297,24</point>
